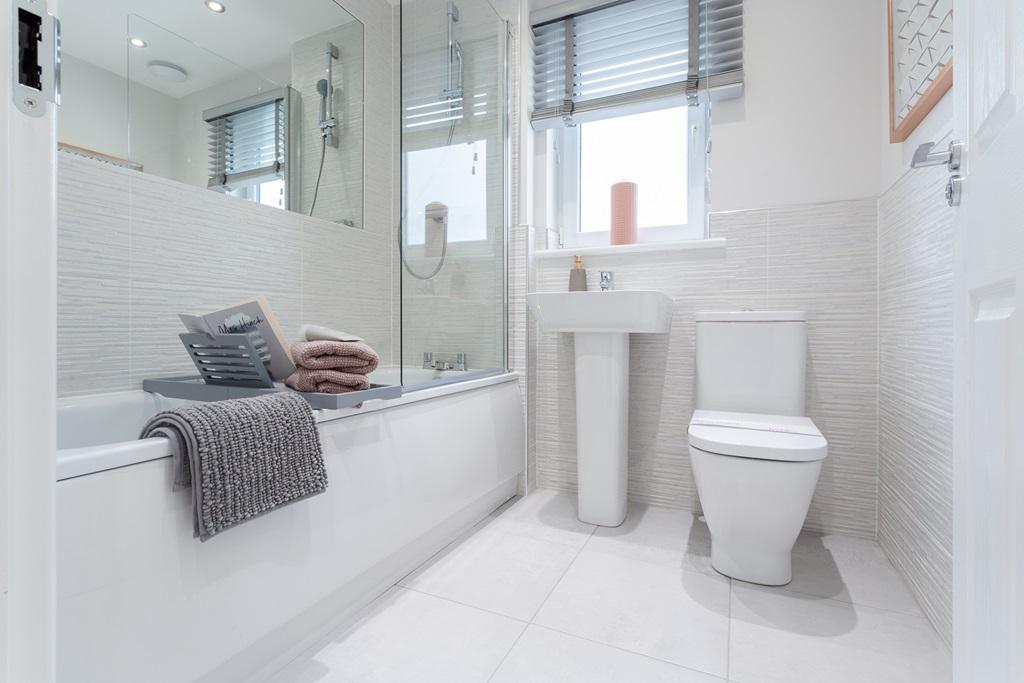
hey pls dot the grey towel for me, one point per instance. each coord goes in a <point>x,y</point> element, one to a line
<point>242,457</point>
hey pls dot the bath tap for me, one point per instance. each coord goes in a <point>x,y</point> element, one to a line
<point>429,363</point>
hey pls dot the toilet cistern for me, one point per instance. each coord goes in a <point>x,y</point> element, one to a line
<point>601,323</point>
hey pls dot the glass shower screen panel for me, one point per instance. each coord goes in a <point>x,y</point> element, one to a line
<point>454,182</point>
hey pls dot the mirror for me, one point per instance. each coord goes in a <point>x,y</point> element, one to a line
<point>261,100</point>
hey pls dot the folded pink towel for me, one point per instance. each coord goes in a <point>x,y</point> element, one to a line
<point>354,358</point>
<point>326,381</point>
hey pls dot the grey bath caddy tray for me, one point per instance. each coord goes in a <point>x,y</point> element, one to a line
<point>193,388</point>
<point>234,366</point>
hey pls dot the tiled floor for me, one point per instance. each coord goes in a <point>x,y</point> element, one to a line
<point>532,594</point>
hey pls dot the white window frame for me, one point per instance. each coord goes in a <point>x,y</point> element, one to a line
<point>565,169</point>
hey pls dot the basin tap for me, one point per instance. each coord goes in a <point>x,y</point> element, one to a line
<point>607,280</point>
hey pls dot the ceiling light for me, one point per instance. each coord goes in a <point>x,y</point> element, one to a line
<point>215,6</point>
<point>168,71</point>
<point>136,42</point>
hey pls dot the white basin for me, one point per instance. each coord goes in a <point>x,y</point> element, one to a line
<point>616,311</point>
<point>601,323</point>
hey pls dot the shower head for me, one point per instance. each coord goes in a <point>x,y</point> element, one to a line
<point>326,119</point>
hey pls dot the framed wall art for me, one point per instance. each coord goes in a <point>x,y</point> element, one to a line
<point>920,61</point>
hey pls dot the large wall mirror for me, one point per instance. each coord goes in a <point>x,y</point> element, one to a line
<point>260,100</point>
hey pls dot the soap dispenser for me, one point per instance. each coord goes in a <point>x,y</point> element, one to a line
<point>578,276</point>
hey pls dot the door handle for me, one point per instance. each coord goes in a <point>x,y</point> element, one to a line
<point>950,157</point>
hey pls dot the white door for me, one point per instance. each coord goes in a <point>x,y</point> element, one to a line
<point>28,283</point>
<point>989,365</point>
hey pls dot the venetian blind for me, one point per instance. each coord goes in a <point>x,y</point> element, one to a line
<point>635,55</point>
<point>247,145</point>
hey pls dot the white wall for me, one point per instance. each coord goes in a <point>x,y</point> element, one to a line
<point>807,127</point>
<point>94,115</point>
<point>813,122</point>
<point>94,111</point>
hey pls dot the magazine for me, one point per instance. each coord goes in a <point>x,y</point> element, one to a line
<point>251,315</point>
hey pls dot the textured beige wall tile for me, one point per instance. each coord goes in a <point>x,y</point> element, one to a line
<point>819,258</point>
<point>915,398</point>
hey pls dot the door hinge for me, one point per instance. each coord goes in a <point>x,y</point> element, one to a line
<point>37,57</point>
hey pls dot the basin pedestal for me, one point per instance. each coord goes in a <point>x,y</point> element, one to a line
<point>601,323</point>
<point>602,426</point>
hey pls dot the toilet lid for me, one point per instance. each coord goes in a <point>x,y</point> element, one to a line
<point>751,435</point>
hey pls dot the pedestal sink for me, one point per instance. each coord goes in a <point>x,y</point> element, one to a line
<point>601,323</point>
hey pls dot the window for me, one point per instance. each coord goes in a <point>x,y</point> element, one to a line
<point>248,148</point>
<point>662,151</point>
<point>462,188</point>
<point>269,193</point>
<point>648,149</point>
<point>623,93</point>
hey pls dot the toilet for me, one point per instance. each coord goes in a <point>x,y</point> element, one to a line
<point>755,456</point>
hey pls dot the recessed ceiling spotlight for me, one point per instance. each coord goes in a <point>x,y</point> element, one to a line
<point>168,71</point>
<point>215,6</point>
<point>136,42</point>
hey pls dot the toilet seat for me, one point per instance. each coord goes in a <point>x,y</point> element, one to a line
<point>763,437</point>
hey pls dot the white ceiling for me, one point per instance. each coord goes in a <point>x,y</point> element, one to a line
<point>251,37</point>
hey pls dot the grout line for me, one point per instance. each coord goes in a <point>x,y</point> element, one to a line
<point>562,575</point>
<point>542,603</point>
<point>507,653</point>
<point>627,651</point>
<point>464,604</point>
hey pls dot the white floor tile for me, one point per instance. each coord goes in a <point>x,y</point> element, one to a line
<point>544,514</point>
<point>851,570</point>
<point>635,603</point>
<point>673,537</point>
<point>545,656</point>
<point>780,637</point>
<point>498,569</point>
<point>407,636</point>
<point>652,609</point>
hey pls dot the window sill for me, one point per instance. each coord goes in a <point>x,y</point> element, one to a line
<point>638,248</point>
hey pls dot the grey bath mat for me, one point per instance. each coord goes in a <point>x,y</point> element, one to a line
<point>242,457</point>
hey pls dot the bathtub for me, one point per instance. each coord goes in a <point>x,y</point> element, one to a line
<point>99,432</point>
<point>140,599</point>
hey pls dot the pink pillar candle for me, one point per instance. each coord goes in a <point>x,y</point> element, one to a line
<point>624,213</point>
